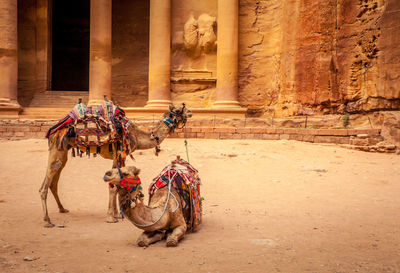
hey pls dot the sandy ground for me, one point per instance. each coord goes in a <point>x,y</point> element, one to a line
<point>270,206</point>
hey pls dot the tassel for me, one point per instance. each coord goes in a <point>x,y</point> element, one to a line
<point>157,150</point>
<point>80,154</point>
<point>77,151</point>
<point>88,151</point>
<point>73,152</point>
<point>94,155</point>
<point>132,157</point>
<point>98,150</point>
<point>110,148</point>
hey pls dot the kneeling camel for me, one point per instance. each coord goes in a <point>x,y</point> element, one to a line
<point>163,217</point>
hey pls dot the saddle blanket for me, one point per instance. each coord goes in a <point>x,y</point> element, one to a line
<point>102,115</point>
<point>186,182</point>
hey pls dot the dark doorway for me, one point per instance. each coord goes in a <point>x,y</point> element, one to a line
<point>70,45</point>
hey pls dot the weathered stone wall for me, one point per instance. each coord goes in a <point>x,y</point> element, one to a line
<point>210,129</point>
<point>324,56</point>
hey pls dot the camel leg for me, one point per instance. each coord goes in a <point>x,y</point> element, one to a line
<point>116,214</point>
<point>57,160</point>
<point>112,213</point>
<point>43,195</point>
<point>147,238</point>
<point>54,190</point>
<point>112,205</point>
<point>176,235</point>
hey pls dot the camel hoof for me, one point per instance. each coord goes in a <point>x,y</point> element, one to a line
<point>64,210</point>
<point>142,243</point>
<point>49,225</point>
<point>117,216</point>
<point>171,242</point>
<point>111,219</point>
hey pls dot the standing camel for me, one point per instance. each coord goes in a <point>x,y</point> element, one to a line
<point>174,118</point>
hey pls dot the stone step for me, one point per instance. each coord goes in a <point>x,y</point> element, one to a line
<point>58,99</point>
<point>41,113</point>
<point>381,147</point>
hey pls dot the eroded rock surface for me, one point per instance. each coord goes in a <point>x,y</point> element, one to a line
<point>325,56</point>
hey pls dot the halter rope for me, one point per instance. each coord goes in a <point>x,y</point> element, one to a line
<point>165,205</point>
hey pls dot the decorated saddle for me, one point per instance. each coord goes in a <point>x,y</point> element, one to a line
<point>93,127</point>
<point>185,180</point>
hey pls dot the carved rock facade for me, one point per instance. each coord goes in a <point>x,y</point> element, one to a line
<point>296,57</point>
<point>322,56</point>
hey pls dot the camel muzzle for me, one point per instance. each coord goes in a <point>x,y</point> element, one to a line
<point>106,178</point>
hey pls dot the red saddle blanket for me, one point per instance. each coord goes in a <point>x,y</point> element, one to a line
<point>185,180</point>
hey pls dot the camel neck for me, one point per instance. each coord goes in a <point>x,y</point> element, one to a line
<point>147,140</point>
<point>141,215</point>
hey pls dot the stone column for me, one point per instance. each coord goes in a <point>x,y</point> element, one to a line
<point>100,51</point>
<point>160,54</point>
<point>9,106</point>
<point>227,55</point>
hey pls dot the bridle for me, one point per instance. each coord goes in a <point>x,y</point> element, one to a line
<point>171,120</point>
<point>131,184</point>
<point>128,204</point>
<point>174,117</point>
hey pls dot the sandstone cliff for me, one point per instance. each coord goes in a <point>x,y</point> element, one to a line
<point>320,56</point>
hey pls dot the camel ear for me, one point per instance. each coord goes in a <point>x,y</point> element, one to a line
<point>136,171</point>
<point>171,107</point>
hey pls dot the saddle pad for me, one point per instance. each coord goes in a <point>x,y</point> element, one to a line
<point>93,137</point>
<point>104,114</point>
<point>186,182</point>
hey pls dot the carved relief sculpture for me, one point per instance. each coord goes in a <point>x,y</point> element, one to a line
<point>200,35</point>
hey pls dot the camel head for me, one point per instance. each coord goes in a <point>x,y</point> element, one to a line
<point>128,183</point>
<point>177,116</point>
<point>124,178</point>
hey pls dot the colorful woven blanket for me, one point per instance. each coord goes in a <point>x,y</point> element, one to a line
<point>94,127</point>
<point>105,114</point>
<point>186,182</point>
